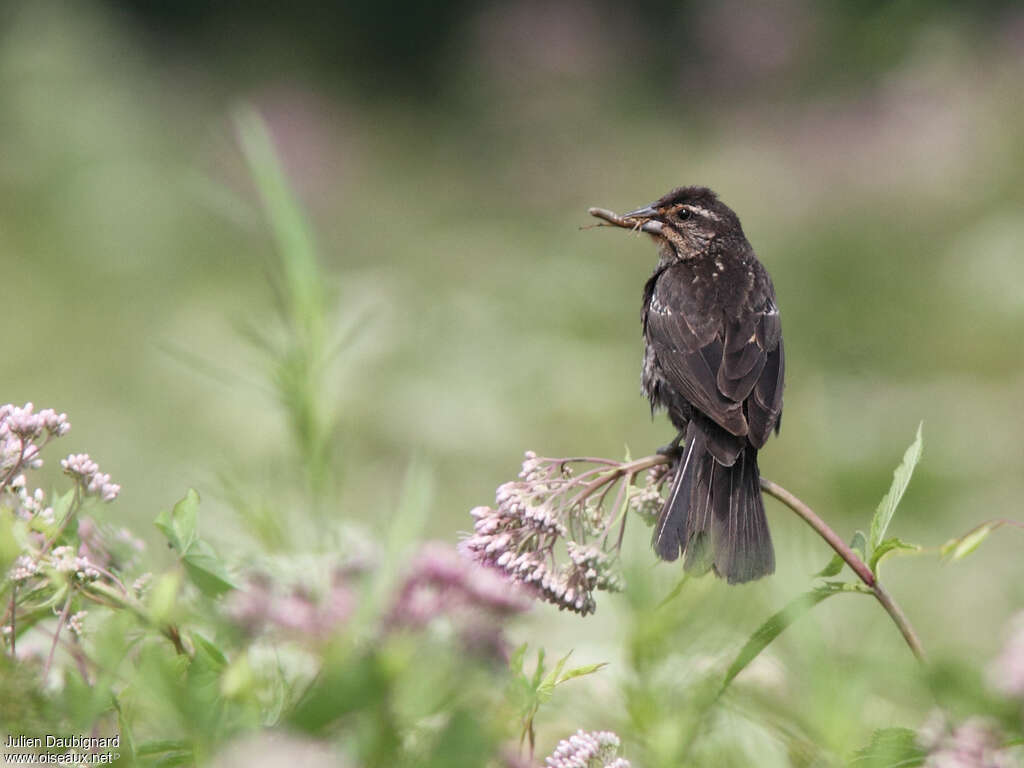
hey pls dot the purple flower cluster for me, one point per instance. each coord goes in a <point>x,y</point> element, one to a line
<point>260,607</point>
<point>86,473</point>
<point>596,749</point>
<point>532,516</point>
<point>1007,671</point>
<point>647,500</point>
<point>975,743</point>
<point>21,430</point>
<point>439,586</point>
<point>62,560</point>
<point>442,585</point>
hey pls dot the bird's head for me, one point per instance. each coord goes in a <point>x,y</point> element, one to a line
<point>687,219</point>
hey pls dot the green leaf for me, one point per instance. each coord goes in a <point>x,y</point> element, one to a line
<point>551,679</point>
<point>517,658</point>
<point>888,547</point>
<point>587,669</point>
<point>206,570</point>
<point>211,649</point>
<point>957,549</point>
<point>9,548</point>
<point>179,524</point>
<point>835,565</point>
<point>163,596</point>
<point>158,747</point>
<point>676,590</point>
<point>175,759</point>
<point>890,748</point>
<point>900,478</point>
<point>538,673</point>
<point>288,222</point>
<point>859,544</point>
<point>774,626</point>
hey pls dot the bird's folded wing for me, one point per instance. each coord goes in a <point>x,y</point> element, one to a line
<point>718,364</point>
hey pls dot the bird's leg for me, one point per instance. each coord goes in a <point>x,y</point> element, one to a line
<point>672,449</point>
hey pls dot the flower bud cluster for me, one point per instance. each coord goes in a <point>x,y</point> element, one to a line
<point>64,560</point>
<point>597,749</point>
<point>975,743</point>
<point>262,605</point>
<point>24,568</point>
<point>86,473</point>
<point>474,601</point>
<point>518,538</point>
<point>1007,671</point>
<point>27,505</point>
<point>76,622</point>
<point>21,429</point>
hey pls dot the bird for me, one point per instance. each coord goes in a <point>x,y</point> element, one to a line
<point>713,359</point>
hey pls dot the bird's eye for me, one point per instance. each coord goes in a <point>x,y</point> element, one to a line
<point>683,214</point>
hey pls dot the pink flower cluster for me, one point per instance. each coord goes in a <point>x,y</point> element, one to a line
<point>21,430</point>
<point>260,607</point>
<point>519,536</point>
<point>975,743</point>
<point>442,585</point>
<point>597,749</point>
<point>1007,671</point>
<point>86,473</point>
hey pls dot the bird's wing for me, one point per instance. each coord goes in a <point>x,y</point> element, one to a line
<point>764,403</point>
<point>730,369</point>
<point>687,336</point>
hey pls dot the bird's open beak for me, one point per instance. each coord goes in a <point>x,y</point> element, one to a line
<point>641,219</point>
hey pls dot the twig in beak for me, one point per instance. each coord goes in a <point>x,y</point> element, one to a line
<point>637,225</point>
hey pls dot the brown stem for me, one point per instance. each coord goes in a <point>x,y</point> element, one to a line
<point>859,567</point>
<point>56,635</point>
<point>807,514</point>
<point>832,539</point>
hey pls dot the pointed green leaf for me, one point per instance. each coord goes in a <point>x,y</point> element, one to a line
<point>516,659</point>
<point>550,680</point>
<point>179,524</point>
<point>888,547</point>
<point>835,565</point>
<point>957,549</point>
<point>890,748</point>
<point>158,747</point>
<point>774,626</point>
<point>859,544</point>
<point>206,570</point>
<point>900,479</point>
<point>676,590</point>
<point>211,649</point>
<point>538,673</point>
<point>587,669</point>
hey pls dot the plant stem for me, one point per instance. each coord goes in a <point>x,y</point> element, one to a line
<point>859,566</point>
<point>56,634</point>
<point>832,539</point>
<point>807,514</point>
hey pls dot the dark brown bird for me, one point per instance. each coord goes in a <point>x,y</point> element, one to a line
<point>713,359</point>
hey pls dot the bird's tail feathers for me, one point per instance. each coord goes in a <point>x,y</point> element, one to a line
<point>715,516</point>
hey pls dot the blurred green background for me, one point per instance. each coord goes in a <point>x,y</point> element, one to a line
<point>446,158</point>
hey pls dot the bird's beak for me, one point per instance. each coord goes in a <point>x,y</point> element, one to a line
<point>641,219</point>
<point>641,213</point>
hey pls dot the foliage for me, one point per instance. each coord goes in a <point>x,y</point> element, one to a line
<point>390,652</point>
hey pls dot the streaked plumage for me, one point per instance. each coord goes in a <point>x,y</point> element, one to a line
<point>714,360</point>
